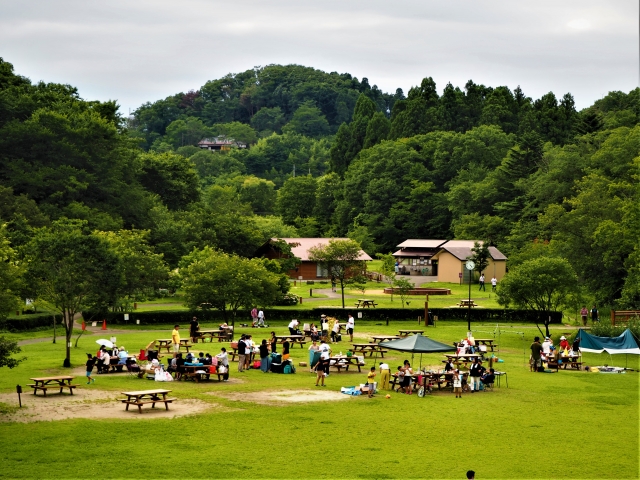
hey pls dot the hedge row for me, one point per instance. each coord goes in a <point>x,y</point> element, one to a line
<point>29,322</point>
<point>409,314</point>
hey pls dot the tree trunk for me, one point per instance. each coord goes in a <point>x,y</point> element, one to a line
<point>342,290</point>
<point>54,328</point>
<point>68,325</point>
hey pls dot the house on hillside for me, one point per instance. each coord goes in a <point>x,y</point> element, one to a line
<point>307,269</point>
<point>445,259</point>
<point>218,144</point>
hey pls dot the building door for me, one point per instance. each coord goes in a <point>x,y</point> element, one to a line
<point>434,268</point>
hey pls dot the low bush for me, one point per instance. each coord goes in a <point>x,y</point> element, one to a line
<point>33,321</point>
<point>485,315</point>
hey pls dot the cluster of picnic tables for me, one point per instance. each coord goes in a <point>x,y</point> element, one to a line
<point>354,358</point>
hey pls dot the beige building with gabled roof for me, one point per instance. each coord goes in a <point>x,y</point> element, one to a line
<point>445,259</point>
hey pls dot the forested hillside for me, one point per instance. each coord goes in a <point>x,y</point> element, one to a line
<point>330,155</point>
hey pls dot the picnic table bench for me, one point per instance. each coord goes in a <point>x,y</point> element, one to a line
<point>221,335</point>
<point>365,303</point>
<point>292,339</point>
<point>488,342</point>
<point>195,372</point>
<point>55,383</point>
<point>557,362</point>
<point>143,397</point>
<point>406,333</point>
<point>340,362</point>
<point>467,303</point>
<point>464,358</point>
<point>168,344</point>
<point>384,338</point>
<point>369,348</point>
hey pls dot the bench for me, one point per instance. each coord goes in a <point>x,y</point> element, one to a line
<point>139,403</point>
<point>370,352</point>
<point>197,377</point>
<point>555,364</point>
<point>53,387</point>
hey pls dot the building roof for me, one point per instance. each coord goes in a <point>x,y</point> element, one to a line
<point>461,249</point>
<point>216,141</point>
<point>415,252</point>
<point>300,246</point>
<point>416,243</point>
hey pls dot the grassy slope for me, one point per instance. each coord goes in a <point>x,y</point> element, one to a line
<point>508,428</point>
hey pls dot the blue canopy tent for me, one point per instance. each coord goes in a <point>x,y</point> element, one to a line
<point>624,343</point>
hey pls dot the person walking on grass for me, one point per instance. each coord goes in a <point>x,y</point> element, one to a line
<point>536,357</point>
<point>494,284</point>
<point>385,375</point>
<point>320,371</point>
<point>482,283</point>
<point>91,361</point>
<point>241,353</point>
<point>175,340</point>
<point>583,314</point>
<point>351,323</point>
<point>370,378</point>
<point>457,384</point>
<point>194,328</point>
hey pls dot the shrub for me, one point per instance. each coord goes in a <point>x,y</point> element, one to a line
<point>484,315</point>
<point>30,322</point>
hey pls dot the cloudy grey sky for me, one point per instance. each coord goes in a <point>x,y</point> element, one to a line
<point>142,50</point>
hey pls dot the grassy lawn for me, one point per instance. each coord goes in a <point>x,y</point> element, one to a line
<point>511,429</point>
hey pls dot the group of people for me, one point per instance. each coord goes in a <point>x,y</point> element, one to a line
<point>103,359</point>
<point>494,283</point>
<point>220,361</point>
<point>542,352</point>
<point>584,313</point>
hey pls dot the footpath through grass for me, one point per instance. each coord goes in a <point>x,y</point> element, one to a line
<point>569,425</point>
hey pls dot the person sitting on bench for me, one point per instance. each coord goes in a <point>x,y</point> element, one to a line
<point>489,378</point>
<point>293,327</point>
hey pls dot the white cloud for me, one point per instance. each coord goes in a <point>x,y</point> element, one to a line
<point>144,50</point>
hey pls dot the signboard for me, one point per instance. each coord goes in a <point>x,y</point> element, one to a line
<point>126,317</point>
<point>359,314</point>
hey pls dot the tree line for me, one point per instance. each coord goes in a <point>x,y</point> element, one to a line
<point>329,155</point>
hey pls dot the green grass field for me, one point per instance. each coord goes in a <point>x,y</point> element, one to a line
<point>566,425</point>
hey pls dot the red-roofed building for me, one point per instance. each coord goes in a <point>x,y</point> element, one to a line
<point>307,269</point>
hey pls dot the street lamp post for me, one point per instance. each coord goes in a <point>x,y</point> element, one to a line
<point>470,266</point>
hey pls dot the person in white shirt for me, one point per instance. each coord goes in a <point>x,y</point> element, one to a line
<point>335,331</point>
<point>261,318</point>
<point>249,353</point>
<point>385,375</point>
<point>293,327</point>
<point>351,323</point>
<point>494,282</point>
<point>546,345</point>
<point>223,360</point>
<point>325,353</point>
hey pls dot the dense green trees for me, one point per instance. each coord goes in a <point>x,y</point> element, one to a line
<point>317,154</point>
<point>213,279</point>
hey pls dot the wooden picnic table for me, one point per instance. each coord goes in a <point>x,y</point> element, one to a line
<point>142,397</point>
<point>564,361</point>
<point>299,339</point>
<point>168,344</point>
<point>343,361</point>
<point>365,303</point>
<point>440,378</point>
<point>406,333</point>
<point>369,348</point>
<point>467,303</point>
<point>488,342</point>
<point>384,338</point>
<point>194,372</point>
<point>221,335</point>
<point>464,358</point>
<point>44,383</point>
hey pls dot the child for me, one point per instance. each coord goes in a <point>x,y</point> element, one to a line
<point>320,367</point>
<point>90,364</point>
<point>370,377</point>
<point>457,384</point>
